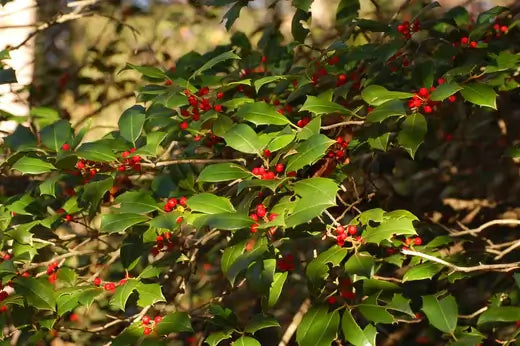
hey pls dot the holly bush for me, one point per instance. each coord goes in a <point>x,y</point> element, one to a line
<point>262,194</point>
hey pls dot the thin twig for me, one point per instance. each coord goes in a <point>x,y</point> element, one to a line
<point>475,314</point>
<point>289,332</point>
<point>344,123</point>
<point>503,267</point>
<point>192,161</point>
<point>475,231</point>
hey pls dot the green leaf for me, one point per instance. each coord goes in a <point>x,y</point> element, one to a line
<point>131,250</point>
<point>444,91</point>
<point>347,10</point>
<point>216,337</point>
<point>230,255</point>
<point>353,332</point>
<point>166,221</point>
<point>95,151</point>
<point>48,187</point>
<point>320,190</point>
<point>229,221</point>
<point>39,293</point>
<point>386,110</point>
<point>246,341</point>
<point>266,80</point>
<point>131,123</point>
<point>360,263</point>
<point>377,95</point>
<point>147,71</point>
<point>318,268</point>
<point>303,5</point>
<point>151,272</point>
<point>500,314</point>
<point>129,336</point>
<point>67,302</point>
<point>55,135</point>
<point>32,165</point>
<point>379,142</point>
<point>305,210</point>
<point>223,172</point>
<point>276,288</point>
<point>297,30</point>
<point>233,13</point>
<point>441,313</point>
<point>136,202</point>
<point>280,142</point>
<point>318,327</point>
<point>149,294</point>
<point>113,223</point>
<point>413,130</point>
<point>67,275</point>
<point>92,194</point>
<point>175,322</point>
<point>122,293</point>
<point>374,312</point>
<point>260,322</point>
<point>261,113</point>
<point>309,130</point>
<point>401,304</point>
<point>480,94</point>
<point>244,139</point>
<point>216,60</point>
<point>209,203</point>
<point>319,106</point>
<point>243,261</point>
<point>387,229</point>
<point>7,75</point>
<point>7,267</point>
<point>422,271</point>
<point>308,152</point>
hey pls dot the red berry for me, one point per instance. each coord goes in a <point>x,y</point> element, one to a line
<point>253,228</point>
<point>65,147</point>
<point>80,165</point>
<point>218,108</point>
<point>125,154</point>
<point>109,286</point>
<point>464,40</point>
<point>473,44</point>
<point>132,150</point>
<point>3,295</point>
<point>157,319</point>
<point>74,317</point>
<point>417,241</point>
<point>136,158</point>
<point>167,208</point>
<point>3,308</point>
<point>179,219</point>
<point>7,257</point>
<point>351,229</point>
<point>147,330</point>
<point>256,171</point>
<point>291,174</point>
<point>253,216</point>
<point>423,92</point>
<point>428,109</point>
<point>340,229</point>
<point>121,168</point>
<point>220,95</point>
<point>260,210</point>
<point>518,323</point>
<point>279,168</point>
<point>332,300</point>
<point>159,239</point>
<point>503,28</point>
<point>97,281</point>
<point>267,153</point>
<point>441,81</point>
<point>172,202</point>
<point>452,98</point>
<point>184,125</point>
<point>264,59</point>
<point>68,217</point>
<point>183,201</point>
<point>269,175</point>
<point>272,216</point>
<point>146,320</point>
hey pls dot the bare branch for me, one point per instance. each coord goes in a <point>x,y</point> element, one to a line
<point>344,123</point>
<point>503,267</point>
<point>192,161</point>
<point>475,231</point>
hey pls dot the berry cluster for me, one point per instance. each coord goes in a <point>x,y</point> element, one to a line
<point>261,214</point>
<point>412,241</point>
<point>268,174</point>
<point>52,271</point>
<point>345,292</point>
<point>465,42</point>
<point>198,104</point>
<point>146,320</point>
<point>342,234</point>
<point>129,161</point>
<point>422,99</point>
<point>163,242</point>
<point>338,149</point>
<point>286,263</point>
<point>500,29</point>
<point>172,203</point>
<point>407,29</point>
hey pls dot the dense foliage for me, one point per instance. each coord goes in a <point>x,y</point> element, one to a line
<point>254,190</point>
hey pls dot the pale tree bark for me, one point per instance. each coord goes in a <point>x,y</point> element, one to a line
<point>17,21</point>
